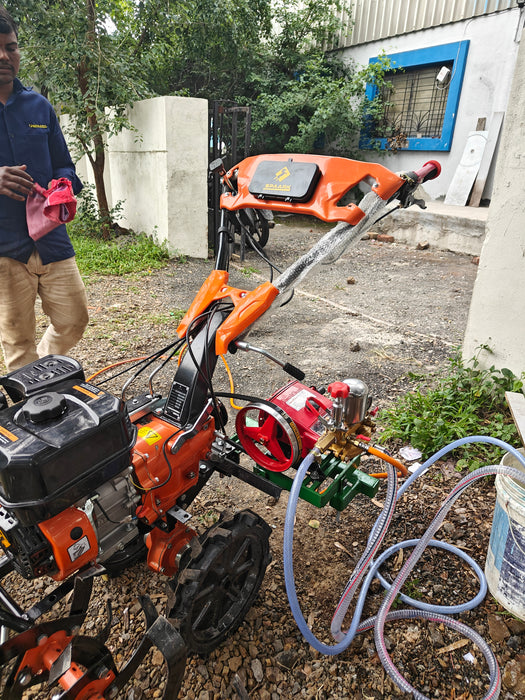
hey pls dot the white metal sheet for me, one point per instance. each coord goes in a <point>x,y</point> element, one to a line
<point>371,20</point>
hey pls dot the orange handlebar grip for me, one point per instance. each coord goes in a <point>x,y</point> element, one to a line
<point>247,310</point>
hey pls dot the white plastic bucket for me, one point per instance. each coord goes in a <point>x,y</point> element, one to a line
<point>505,563</point>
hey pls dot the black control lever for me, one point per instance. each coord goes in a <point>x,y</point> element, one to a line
<point>287,367</point>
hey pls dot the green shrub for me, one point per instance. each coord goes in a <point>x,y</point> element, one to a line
<point>461,401</point>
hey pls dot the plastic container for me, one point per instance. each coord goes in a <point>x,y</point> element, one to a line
<point>505,563</point>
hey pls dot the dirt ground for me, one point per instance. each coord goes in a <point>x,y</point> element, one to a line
<point>382,313</point>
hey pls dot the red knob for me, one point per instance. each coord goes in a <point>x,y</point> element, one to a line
<point>338,390</point>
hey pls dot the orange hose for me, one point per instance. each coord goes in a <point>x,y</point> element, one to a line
<point>115,364</point>
<point>387,458</point>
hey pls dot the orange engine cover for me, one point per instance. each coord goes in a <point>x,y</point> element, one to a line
<point>163,475</point>
<point>73,540</point>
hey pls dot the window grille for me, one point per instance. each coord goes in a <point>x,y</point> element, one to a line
<point>415,104</point>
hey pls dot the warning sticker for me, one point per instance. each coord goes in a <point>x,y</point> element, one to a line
<point>299,400</point>
<point>149,435</point>
<point>77,549</point>
<point>88,390</point>
<point>4,541</point>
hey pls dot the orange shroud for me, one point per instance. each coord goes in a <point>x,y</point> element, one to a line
<point>73,540</point>
<point>338,176</point>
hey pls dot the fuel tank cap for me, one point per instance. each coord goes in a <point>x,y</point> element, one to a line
<point>46,406</point>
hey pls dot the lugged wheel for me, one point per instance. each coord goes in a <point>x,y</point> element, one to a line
<point>262,229</point>
<point>212,595</point>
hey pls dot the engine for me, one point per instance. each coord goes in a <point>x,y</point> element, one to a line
<point>65,494</point>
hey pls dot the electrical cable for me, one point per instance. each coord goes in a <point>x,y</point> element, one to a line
<point>138,360</point>
<point>257,248</point>
<point>232,385</point>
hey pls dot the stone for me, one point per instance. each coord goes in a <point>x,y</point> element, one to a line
<point>498,630</point>
<point>235,663</point>
<point>257,670</point>
<point>513,678</point>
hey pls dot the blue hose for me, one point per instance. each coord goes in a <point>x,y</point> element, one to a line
<point>378,531</point>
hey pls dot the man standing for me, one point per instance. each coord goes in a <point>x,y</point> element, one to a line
<point>33,149</point>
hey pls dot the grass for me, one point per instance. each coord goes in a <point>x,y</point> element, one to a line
<point>463,400</point>
<point>119,256</point>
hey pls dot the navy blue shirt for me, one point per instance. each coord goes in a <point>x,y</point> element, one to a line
<point>30,134</point>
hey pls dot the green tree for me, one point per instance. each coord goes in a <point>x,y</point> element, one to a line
<point>304,97</point>
<point>94,58</point>
<point>86,56</point>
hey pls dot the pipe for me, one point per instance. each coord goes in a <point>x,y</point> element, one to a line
<point>378,531</point>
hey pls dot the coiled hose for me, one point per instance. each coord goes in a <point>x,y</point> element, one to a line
<point>366,562</point>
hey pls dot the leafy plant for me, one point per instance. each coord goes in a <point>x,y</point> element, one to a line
<point>464,400</point>
<point>88,220</point>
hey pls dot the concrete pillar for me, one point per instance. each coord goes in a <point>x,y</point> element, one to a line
<point>159,172</point>
<point>497,310</point>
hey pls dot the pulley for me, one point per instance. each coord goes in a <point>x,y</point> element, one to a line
<point>269,436</point>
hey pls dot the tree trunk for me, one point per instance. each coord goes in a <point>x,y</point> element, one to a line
<point>98,157</point>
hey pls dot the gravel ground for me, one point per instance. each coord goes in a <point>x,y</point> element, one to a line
<point>379,313</point>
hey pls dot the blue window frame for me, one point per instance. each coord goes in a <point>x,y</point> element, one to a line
<point>454,55</point>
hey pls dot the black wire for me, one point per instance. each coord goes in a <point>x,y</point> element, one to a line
<point>147,361</point>
<point>257,248</point>
<point>170,471</point>
<point>104,513</point>
<point>390,211</point>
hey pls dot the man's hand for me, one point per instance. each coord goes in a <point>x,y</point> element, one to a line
<point>15,182</point>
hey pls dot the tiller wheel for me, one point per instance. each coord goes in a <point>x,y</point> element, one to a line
<point>82,667</point>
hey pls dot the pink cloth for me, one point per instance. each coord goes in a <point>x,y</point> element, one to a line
<point>45,209</point>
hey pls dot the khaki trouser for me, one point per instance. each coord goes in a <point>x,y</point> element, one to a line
<point>60,287</point>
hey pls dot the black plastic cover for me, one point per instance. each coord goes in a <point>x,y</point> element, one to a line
<point>40,375</point>
<point>48,465</point>
<point>290,180</point>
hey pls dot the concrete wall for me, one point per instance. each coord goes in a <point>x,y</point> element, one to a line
<point>486,84</point>
<point>159,172</point>
<point>459,229</point>
<point>497,311</point>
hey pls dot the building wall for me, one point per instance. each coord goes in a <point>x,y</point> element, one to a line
<point>159,172</point>
<point>493,43</point>
<point>497,310</point>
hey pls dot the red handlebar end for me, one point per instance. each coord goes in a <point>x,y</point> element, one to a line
<point>430,170</point>
<point>338,390</point>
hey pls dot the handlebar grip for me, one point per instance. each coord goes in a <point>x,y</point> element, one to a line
<point>294,371</point>
<point>428,171</point>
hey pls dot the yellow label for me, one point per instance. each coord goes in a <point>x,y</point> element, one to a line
<point>149,435</point>
<point>4,541</point>
<point>38,126</point>
<point>6,433</point>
